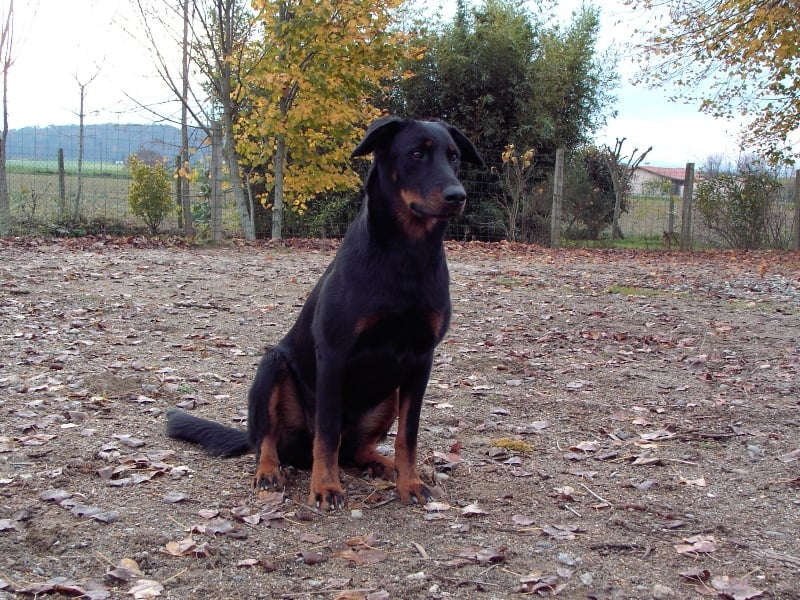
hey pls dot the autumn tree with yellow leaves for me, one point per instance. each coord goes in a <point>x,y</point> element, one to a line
<point>734,57</point>
<point>315,73</point>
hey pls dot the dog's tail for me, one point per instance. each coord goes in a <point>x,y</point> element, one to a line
<point>216,439</point>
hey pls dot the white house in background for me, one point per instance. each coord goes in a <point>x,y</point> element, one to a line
<point>646,173</point>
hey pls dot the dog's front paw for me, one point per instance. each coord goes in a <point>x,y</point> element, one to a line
<point>413,491</point>
<point>327,497</point>
<point>269,480</point>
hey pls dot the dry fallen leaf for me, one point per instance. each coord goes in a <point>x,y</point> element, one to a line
<point>699,482</point>
<point>736,588</point>
<point>311,538</point>
<point>248,562</point>
<point>790,457</point>
<point>537,582</point>
<point>181,548</point>
<point>173,497</point>
<point>522,520</point>
<point>697,544</point>
<point>473,510</point>
<point>483,554</point>
<point>586,447</point>
<point>561,531</point>
<point>146,588</point>
<point>312,558</point>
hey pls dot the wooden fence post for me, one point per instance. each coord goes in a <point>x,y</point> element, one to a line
<point>686,208</point>
<point>558,196</point>
<point>216,182</point>
<point>797,210</point>
<point>62,186</point>
<point>178,191</point>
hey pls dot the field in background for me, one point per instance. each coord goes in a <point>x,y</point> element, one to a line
<point>33,187</point>
<point>34,199</point>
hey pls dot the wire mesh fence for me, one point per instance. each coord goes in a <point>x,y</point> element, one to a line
<point>41,198</point>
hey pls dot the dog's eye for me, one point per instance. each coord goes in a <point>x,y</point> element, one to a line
<point>454,157</point>
<point>417,154</point>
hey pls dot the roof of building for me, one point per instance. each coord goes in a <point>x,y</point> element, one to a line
<point>674,173</point>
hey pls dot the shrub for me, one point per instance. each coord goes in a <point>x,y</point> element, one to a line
<point>736,207</point>
<point>588,194</point>
<point>149,195</point>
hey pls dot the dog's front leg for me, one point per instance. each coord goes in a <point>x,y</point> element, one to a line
<point>409,483</point>
<point>326,491</point>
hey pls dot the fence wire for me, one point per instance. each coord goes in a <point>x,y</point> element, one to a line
<point>38,205</point>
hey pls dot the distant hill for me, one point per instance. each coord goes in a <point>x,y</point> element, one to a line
<point>102,143</point>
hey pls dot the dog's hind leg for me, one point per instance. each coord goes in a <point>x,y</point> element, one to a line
<point>275,419</point>
<point>371,428</point>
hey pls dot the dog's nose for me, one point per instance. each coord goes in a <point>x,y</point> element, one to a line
<point>454,194</point>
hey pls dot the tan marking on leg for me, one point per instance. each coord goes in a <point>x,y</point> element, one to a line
<point>326,491</point>
<point>409,483</point>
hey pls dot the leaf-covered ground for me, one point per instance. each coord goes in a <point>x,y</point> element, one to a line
<point>599,425</point>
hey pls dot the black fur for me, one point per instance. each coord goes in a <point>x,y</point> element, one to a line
<point>361,350</point>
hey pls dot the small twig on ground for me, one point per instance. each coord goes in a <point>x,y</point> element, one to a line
<point>584,486</point>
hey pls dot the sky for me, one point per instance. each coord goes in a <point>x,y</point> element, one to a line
<point>60,45</point>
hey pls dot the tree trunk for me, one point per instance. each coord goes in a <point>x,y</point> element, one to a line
<point>239,197</point>
<point>229,142</point>
<point>76,205</point>
<point>616,232</point>
<point>5,201</point>
<point>184,198</point>
<point>216,183</point>
<point>277,205</point>
<point>7,59</point>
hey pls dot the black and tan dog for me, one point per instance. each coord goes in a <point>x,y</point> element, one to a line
<point>360,354</point>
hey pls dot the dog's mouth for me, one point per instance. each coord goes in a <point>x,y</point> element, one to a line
<point>444,213</point>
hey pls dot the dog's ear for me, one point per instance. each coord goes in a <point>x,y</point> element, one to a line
<point>378,136</point>
<point>468,152</point>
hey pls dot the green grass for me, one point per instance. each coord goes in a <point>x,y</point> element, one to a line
<point>628,290</point>
<point>508,281</point>
<point>643,226</point>
<point>633,242</point>
<point>50,167</point>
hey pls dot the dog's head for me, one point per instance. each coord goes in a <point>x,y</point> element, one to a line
<point>416,165</point>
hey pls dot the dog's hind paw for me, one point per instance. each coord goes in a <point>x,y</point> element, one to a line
<point>383,469</point>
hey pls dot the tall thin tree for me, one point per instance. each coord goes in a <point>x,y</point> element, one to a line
<point>82,85</point>
<point>622,169</point>
<point>6,61</point>
<point>217,31</point>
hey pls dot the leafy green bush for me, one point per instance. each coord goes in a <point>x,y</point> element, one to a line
<point>588,195</point>
<point>736,207</point>
<point>149,195</point>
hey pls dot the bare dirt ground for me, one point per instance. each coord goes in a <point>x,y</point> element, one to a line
<point>599,425</point>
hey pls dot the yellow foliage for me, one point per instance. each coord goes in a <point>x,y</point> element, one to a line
<point>309,82</point>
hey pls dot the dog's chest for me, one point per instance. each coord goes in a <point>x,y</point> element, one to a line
<point>401,335</point>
